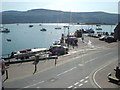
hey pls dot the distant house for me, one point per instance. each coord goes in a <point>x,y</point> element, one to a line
<point>117,32</point>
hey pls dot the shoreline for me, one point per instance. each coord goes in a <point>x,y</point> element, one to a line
<point>61,23</point>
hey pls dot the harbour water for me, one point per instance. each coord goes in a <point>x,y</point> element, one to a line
<point>24,37</point>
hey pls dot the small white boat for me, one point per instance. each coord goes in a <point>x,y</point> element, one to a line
<point>98,28</point>
<point>4,30</point>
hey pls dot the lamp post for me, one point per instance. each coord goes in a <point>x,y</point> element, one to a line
<point>68,37</point>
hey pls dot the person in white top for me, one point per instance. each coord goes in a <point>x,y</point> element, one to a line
<point>2,70</point>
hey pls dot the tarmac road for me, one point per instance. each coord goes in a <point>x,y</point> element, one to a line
<point>77,73</point>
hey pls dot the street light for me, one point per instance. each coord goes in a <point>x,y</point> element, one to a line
<point>68,37</point>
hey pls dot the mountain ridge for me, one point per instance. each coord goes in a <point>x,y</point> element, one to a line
<point>55,16</point>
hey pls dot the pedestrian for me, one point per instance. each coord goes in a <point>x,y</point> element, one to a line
<point>36,62</point>
<point>82,36</point>
<point>76,42</point>
<point>2,72</point>
<point>73,43</point>
<point>82,39</point>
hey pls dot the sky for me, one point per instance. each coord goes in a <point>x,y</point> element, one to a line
<point>110,6</point>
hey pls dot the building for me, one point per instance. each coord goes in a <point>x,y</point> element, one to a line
<point>117,32</point>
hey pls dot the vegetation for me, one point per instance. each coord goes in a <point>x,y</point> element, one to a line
<point>53,16</point>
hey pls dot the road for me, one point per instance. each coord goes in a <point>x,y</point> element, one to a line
<point>79,72</point>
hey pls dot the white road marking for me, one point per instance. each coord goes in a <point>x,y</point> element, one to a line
<point>70,86</point>
<point>80,65</point>
<point>95,58</point>
<point>87,61</point>
<point>87,77</point>
<point>76,83</point>
<point>99,70</point>
<point>80,85</point>
<point>81,80</point>
<point>34,84</point>
<point>85,81</point>
<point>94,77</point>
<point>52,80</point>
<point>66,71</point>
<point>91,60</point>
<point>74,52</point>
<point>75,87</point>
<point>82,50</point>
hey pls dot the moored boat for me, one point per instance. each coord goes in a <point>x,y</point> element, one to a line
<point>43,29</point>
<point>27,53</point>
<point>66,26</point>
<point>4,30</point>
<point>98,28</point>
<point>57,27</point>
<point>98,24</point>
<point>8,39</point>
<point>30,25</point>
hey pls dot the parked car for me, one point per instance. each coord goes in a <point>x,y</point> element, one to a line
<point>110,39</point>
<point>102,38</point>
<point>58,50</point>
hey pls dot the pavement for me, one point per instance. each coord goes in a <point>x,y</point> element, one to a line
<point>21,70</point>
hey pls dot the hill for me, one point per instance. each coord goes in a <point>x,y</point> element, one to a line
<point>54,16</point>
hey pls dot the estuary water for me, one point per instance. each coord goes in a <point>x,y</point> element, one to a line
<point>24,37</point>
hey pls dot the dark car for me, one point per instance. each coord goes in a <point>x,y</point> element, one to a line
<point>58,50</point>
<point>110,39</point>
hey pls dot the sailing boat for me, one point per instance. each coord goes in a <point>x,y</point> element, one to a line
<point>43,29</point>
<point>57,25</point>
<point>98,27</point>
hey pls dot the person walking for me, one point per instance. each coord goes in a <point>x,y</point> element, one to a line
<point>36,62</point>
